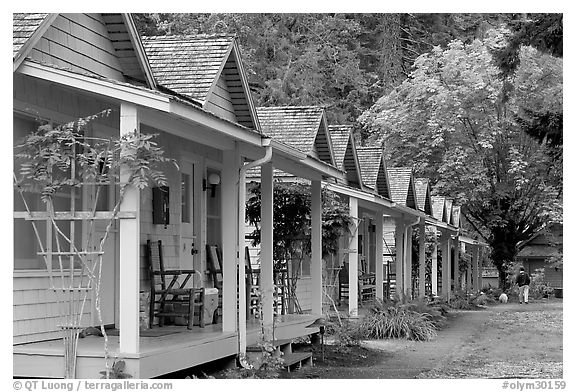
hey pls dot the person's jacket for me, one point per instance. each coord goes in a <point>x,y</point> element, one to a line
<point>523,279</point>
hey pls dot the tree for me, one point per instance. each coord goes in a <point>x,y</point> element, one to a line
<point>449,121</point>
<point>292,212</point>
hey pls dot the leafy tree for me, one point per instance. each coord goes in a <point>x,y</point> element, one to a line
<point>545,33</point>
<point>292,212</point>
<point>448,119</point>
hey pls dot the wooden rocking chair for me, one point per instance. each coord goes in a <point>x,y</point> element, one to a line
<point>185,301</point>
<point>252,287</point>
<point>214,266</point>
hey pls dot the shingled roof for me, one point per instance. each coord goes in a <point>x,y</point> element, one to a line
<point>374,173</point>
<point>439,208</point>
<point>23,26</point>
<point>300,127</point>
<point>455,219</point>
<point>345,153</point>
<point>402,189</point>
<point>187,64</point>
<point>423,195</point>
<point>448,205</point>
<point>207,68</point>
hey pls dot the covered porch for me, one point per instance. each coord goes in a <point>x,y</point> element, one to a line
<point>160,351</point>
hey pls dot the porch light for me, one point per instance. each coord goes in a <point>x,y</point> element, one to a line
<point>213,180</point>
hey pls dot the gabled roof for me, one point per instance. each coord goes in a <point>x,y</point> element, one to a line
<point>345,153</point>
<point>448,205</point>
<point>439,208</point>
<point>423,195</point>
<point>196,65</point>
<point>374,172</point>
<point>545,243</point>
<point>402,188</point>
<point>69,41</point>
<point>455,219</point>
<point>188,64</point>
<point>300,127</point>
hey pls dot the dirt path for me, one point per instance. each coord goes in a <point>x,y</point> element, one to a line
<point>503,341</point>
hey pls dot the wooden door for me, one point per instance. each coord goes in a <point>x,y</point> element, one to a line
<point>190,194</point>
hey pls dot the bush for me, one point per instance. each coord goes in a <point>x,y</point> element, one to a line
<point>387,321</point>
<point>538,288</point>
<point>348,334</point>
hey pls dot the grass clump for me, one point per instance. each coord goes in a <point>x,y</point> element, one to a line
<point>389,321</point>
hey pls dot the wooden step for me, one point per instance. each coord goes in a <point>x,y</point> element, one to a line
<point>284,345</point>
<point>297,360</point>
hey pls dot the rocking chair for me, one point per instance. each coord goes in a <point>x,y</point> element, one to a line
<point>184,301</point>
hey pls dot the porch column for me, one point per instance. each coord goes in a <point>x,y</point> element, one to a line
<point>446,265</point>
<point>408,262</point>
<point>230,171</point>
<point>353,260</point>
<point>475,272</point>
<point>379,256</point>
<point>480,267</point>
<point>434,277</point>
<point>399,262</point>
<point>266,249</point>
<point>316,244</point>
<point>422,259</point>
<point>468,271</point>
<point>129,249</point>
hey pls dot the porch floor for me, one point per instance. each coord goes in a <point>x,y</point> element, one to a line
<point>178,348</point>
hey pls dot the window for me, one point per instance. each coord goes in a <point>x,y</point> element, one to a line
<point>26,244</point>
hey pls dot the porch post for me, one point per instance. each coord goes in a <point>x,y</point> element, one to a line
<point>468,271</point>
<point>475,272</point>
<point>480,266</point>
<point>408,262</point>
<point>422,259</point>
<point>316,244</point>
<point>379,256</point>
<point>399,245</point>
<point>448,267</point>
<point>446,264</point>
<point>353,260</point>
<point>230,188</point>
<point>129,249</point>
<point>266,249</point>
<point>434,277</point>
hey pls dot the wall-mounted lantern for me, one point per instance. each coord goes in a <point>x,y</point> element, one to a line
<point>212,181</point>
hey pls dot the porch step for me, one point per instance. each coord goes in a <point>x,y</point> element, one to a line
<point>283,345</point>
<point>295,361</point>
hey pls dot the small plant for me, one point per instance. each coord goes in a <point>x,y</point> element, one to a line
<point>346,334</point>
<point>116,371</point>
<point>538,288</point>
<point>266,365</point>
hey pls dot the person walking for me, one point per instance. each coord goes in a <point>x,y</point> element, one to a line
<point>523,281</point>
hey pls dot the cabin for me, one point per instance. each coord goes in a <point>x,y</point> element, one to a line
<point>69,66</point>
<point>191,91</point>
<point>544,251</point>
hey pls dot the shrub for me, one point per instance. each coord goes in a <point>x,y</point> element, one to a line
<point>398,322</point>
<point>265,366</point>
<point>347,334</point>
<point>538,288</point>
